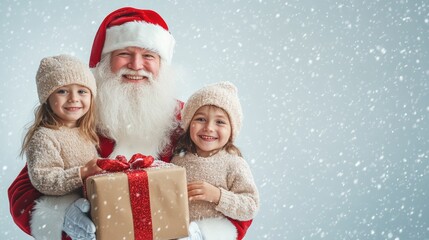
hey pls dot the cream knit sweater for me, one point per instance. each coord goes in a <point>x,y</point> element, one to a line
<point>239,196</point>
<point>54,158</point>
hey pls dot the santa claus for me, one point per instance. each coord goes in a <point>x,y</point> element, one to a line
<point>137,112</point>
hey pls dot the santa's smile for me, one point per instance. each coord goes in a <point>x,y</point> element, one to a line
<point>134,78</point>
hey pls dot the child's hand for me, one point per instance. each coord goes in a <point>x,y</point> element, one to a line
<point>203,191</point>
<point>89,169</point>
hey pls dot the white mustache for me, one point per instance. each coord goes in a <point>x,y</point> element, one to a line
<point>143,73</point>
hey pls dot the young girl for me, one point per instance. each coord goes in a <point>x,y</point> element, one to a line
<point>61,143</point>
<point>220,183</point>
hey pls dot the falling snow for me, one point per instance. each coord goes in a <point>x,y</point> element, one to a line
<point>335,97</point>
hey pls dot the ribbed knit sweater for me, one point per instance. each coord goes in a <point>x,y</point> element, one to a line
<point>239,196</point>
<point>54,158</point>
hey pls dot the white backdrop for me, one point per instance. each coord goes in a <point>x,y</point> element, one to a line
<point>335,98</point>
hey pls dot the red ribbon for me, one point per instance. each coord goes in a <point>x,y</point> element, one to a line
<point>140,204</point>
<point>138,189</point>
<point>121,164</point>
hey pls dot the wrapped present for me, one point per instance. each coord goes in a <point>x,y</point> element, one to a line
<point>139,202</point>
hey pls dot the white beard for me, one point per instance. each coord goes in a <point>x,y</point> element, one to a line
<point>139,116</point>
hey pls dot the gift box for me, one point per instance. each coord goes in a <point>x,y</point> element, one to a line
<point>149,203</point>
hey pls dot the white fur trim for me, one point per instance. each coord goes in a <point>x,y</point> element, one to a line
<point>48,216</point>
<point>217,229</point>
<point>140,34</point>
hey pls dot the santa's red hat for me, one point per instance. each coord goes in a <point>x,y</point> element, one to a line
<point>131,27</point>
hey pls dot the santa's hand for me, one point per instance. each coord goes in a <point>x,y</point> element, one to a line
<point>76,224</point>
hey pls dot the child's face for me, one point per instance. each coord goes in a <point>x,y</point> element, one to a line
<point>210,130</point>
<point>70,103</point>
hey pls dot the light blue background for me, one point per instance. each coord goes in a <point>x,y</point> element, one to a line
<point>335,97</point>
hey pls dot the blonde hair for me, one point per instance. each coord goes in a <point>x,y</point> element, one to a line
<point>45,117</point>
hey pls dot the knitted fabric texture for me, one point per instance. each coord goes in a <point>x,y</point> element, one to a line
<point>239,195</point>
<point>54,158</point>
<point>222,95</point>
<point>58,71</point>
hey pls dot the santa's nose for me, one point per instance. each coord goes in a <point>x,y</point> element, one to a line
<point>136,62</point>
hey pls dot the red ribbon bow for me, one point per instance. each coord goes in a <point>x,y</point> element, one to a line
<point>120,164</point>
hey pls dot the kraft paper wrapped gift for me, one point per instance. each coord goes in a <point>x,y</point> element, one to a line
<point>140,204</point>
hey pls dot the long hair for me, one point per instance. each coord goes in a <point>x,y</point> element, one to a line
<point>45,117</point>
<point>185,145</point>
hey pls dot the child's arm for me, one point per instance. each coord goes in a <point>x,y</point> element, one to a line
<point>46,167</point>
<point>241,200</point>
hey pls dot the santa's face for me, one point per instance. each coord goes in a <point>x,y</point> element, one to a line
<point>135,59</point>
<point>135,108</point>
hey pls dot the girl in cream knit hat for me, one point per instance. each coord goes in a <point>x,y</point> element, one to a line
<point>60,145</point>
<point>220,183</point>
